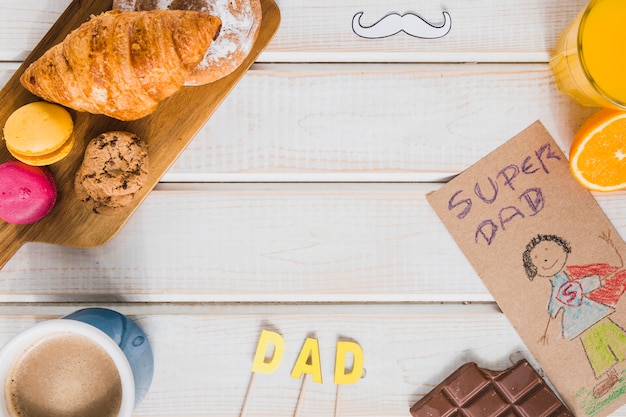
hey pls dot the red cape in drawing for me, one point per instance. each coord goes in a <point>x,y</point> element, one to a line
<point>614,286</point>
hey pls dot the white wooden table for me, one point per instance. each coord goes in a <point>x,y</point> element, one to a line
<point>300,207</point>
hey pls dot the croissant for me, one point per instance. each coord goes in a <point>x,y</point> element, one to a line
<point>122,64</point>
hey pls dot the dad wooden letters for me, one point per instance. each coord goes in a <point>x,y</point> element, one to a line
<point>308,361</point>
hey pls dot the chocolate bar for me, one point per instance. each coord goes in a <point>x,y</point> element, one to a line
<point>471,391</point>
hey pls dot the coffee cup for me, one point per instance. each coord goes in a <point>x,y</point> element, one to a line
<point>94,362</point>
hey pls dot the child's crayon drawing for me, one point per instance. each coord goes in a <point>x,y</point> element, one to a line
<point>584,316</point>
<point>552,261</point>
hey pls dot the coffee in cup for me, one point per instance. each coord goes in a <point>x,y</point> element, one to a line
<point>94,362</point>
<point>64,375</point>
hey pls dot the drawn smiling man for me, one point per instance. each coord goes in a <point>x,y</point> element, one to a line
<point>603,340</point>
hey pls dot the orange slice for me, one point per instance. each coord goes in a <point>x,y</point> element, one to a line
<point>598,152</point>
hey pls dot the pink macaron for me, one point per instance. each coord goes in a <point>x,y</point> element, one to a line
<point>27,193</point>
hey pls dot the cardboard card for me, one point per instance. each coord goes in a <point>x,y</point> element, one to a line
<point>552,261</point>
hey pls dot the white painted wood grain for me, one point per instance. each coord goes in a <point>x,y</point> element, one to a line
<point>256,243</point>
<point>421,121</point>
<point>363,122</point>
<point>203,356</point>
<point>481,31</point>
<point>203,353</point>
<point>266,243</point>
<point>209,265</point>
<point>485,30</point>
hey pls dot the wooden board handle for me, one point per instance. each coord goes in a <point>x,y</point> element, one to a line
<point>11,239</point>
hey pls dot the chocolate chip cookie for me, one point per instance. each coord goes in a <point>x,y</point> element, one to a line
<point>114,168</point>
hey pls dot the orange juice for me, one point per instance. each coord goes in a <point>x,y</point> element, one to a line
<point>590,59</point>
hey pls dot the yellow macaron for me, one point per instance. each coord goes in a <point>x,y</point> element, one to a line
<point>39,133</point>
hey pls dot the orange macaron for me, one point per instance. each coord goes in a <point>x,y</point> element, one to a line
<point>39,133</point>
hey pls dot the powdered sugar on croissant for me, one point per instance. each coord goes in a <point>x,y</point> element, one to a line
<point>122,64</point>
<point>241,21</point>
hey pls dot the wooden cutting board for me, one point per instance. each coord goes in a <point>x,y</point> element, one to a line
<point>167,131</point>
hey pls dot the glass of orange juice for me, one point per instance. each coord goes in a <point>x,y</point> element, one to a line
<point>589,62</point>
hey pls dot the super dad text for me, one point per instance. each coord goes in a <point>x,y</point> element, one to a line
<point>488,191</point>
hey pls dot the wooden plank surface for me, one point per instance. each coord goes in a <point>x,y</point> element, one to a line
<point>300,207</point>
<point>361,123</point>
<point>266,243</point>
<point>482,31</point>
<point>208,351</point>
<point>203,353</point>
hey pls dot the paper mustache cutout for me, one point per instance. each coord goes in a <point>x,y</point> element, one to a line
<point>408,23</point>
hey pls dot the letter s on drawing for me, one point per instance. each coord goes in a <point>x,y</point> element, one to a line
<point>452,205</point>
